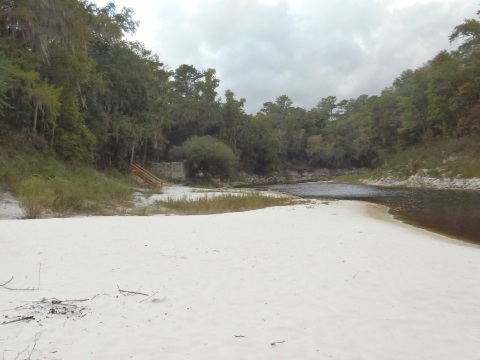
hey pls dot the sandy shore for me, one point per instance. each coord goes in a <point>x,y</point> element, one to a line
<point>318,281</point>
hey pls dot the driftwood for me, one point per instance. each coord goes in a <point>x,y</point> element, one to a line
<point>55,301</point>
<point>4,285</point>
<point>126,292</point>
<point>24,318</point>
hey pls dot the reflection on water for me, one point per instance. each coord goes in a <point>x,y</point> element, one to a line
<point>452,212</point>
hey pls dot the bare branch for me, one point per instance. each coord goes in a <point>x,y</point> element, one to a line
<point>37,337</point>
<point>155,293</point>
<point>123,292</point>
<point>4,285</point>
<point>24,318</point>
<point>39,272</point>
<point>7,281</point>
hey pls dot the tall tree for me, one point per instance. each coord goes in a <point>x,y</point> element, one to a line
<point>195,107</point>
<point>233,118</point>
<point>327,106</point>
<point>470,32</point>
<point>127,106</point>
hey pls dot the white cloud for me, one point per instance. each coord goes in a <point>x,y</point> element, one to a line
<point>306,49</point>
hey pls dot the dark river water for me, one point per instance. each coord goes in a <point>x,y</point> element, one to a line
<point>455,213</point>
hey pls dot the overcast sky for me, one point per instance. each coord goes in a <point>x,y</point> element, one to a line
<point>305,49</point>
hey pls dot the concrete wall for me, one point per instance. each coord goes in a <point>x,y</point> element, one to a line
<point>172,170</point>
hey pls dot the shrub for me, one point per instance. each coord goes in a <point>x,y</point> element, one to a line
<point>206,155</point>
<point>36,195</point>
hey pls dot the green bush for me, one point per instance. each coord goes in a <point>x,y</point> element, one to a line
<point>36,195</point>
<point>206,155</point>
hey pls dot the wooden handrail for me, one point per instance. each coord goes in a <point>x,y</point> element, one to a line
<point>145,175</point>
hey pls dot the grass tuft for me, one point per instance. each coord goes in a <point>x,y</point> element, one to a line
<point>222,204</point>
<point>35,196</point>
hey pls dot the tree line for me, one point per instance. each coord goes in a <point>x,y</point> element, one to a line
<point>72,82</point>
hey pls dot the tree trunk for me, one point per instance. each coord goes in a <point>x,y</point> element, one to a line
<point>132,154</point>
<point>53,137</point>
<point>144,157</point>
<point>35,117</point>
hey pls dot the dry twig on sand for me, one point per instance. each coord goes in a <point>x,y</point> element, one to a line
<point>277,342</point>
<point>37,337</point>
<point>126,292</point>
<point>23,318</point>
<point>4,285</point>
<point>55,301</point>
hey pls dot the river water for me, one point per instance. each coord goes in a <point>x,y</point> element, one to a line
<point>455,213</point>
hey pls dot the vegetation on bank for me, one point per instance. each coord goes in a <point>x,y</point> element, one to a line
<point>222,204</point>
<point>45,185</point>
<point>449,158</point>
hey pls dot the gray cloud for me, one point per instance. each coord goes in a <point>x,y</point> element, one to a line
<point>306,49</point>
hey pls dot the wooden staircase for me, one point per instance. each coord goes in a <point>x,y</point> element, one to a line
<point>145,175</point>
<point>141,173</point>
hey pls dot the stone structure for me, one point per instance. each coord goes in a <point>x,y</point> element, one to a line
<point>171,170</point>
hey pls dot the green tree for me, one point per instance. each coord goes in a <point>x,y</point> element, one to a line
<point>195,107</point>
<point>318,151</point>
<point>291,125</point>
<point>46,42</point>
<point>261,150</point>
<point>233,118</point>
<point>128,102</point>
<point>327,106</point>
<point>470,32</point>
<point>467,101</point>
<point>379,121</point>
<point>206,155</point>
<point>442,90</point>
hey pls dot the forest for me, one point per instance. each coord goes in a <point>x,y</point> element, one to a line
<point>71,85</point>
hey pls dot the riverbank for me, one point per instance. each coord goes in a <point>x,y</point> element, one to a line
<point>312,281</point>
<point>423,180</point>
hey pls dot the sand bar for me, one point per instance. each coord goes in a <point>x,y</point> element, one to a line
<point>317,281</point>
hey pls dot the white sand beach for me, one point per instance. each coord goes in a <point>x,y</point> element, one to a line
<point>320,281</point>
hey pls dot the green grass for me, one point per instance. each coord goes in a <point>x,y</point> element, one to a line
<point>221,204</point>
<point>44,184</point>
<point>353,178</point>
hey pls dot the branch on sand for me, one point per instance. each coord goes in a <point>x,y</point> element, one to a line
<point>23,318</point>
<point>4,285</point>
<point>127,292</point>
